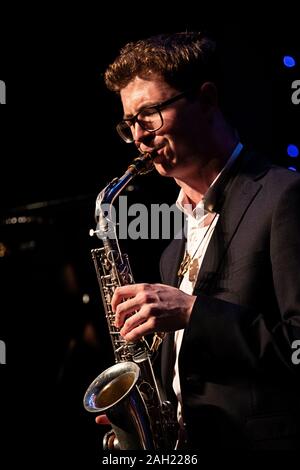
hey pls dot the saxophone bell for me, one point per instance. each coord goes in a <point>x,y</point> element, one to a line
<point>115,393</point>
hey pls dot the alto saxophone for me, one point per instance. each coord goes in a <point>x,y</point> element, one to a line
<point>127,392</point>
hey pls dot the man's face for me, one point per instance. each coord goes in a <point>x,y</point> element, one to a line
<point>180,142</point>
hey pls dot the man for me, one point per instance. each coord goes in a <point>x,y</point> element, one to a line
<point>231,290</point>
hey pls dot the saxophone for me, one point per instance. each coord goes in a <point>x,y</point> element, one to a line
<point>127,392</point>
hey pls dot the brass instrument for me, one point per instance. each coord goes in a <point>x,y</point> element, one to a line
<point>127,392</point>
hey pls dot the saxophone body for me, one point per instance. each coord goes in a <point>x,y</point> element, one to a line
<point>127,392</point>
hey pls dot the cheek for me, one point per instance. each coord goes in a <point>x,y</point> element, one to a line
<point>176,133</point>
<point>178,141</point>
<point>172,131</point>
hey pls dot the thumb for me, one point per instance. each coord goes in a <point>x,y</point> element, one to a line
<point>102,419</point>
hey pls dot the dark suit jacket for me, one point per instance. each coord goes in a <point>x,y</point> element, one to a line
<point>240,388</point>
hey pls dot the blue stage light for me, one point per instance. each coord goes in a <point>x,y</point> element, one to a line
<point>292,151</point>
<point>292,168</point>
<point>289,61</point>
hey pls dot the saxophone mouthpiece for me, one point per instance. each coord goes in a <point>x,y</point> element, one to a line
<point>142,164</point>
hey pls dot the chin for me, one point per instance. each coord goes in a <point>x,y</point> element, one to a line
<point>163,169</point>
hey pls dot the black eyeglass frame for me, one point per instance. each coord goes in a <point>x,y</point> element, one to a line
<point>158,107</point>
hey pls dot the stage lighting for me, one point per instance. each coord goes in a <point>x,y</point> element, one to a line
<point>292,151</point>
<point>289,61</point>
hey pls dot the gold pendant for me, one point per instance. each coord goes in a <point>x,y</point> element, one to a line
<point>184,265</point>
<point>193,270</point>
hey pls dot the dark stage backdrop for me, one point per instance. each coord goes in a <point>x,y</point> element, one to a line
<point>58,149</point>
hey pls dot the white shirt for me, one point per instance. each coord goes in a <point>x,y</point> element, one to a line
<point>200,227</point>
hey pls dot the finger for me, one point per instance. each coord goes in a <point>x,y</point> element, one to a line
<point>121,293</point>
<point>102,419</point>
<point>135,320</point>
<point>141,330</point>
<point>127,308</point>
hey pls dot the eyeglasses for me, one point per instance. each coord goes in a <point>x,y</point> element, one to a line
<point>149,118</point>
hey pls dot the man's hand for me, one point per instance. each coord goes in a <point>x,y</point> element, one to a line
<point>145,308</point>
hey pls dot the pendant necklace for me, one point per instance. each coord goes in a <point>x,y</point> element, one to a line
<point>187,259</point>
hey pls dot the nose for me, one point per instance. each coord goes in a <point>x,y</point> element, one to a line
<point>139,134</point>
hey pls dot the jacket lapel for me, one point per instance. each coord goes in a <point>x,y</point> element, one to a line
<point>175,255</point>
<point>237,195</point>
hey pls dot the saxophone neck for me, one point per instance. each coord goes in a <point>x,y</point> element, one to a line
<point>105,199</point>
<point>139,166</point>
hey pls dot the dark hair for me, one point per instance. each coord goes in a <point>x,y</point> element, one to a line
<point>184,60</point>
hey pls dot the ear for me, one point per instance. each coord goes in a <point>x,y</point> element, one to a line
<point>208,95</point>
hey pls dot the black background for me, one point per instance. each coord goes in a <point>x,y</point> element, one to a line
<point>58,148</point>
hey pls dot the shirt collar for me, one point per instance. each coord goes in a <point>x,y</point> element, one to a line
<point>204,206</point>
